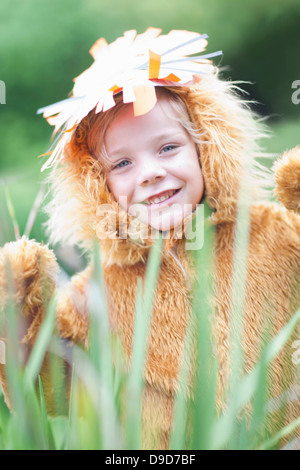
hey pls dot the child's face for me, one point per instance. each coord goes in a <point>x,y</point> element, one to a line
<point>154,170</point>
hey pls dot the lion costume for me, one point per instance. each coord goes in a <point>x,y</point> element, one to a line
<point>229,141</point>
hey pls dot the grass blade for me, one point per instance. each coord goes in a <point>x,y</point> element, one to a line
<point>41,344</point>
<point>12,214</point>
<point>144,304</point>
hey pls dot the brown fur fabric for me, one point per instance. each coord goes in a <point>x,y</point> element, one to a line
<point>28,272</point>
<point>288,179</point>
<point>229,144</point>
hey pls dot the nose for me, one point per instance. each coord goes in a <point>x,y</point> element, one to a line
<point>151,174</point>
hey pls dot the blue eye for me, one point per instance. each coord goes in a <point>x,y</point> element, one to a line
<point>122,164</point>
<point>167,148</point>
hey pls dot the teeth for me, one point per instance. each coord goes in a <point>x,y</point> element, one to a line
<point>162,198</point>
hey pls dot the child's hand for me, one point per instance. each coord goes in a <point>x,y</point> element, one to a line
<point>28,273</point>
<point>287,175</point>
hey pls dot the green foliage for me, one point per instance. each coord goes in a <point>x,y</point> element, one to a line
<point>105,396</point>
<point>44,45</point>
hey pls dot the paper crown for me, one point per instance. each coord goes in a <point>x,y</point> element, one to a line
<point>134,64</point>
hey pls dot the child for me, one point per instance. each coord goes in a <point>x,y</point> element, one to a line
<point>155,147</point>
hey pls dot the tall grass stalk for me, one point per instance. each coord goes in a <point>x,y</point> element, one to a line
<point>12,213</point>
<point>103,398</point>
<point>134,386</point>
<point>34,210</point>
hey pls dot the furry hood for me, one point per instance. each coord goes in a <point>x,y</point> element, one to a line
<point>83,208</point>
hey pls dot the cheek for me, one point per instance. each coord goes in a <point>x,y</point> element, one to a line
<point>110,184</point>
<point>121,189</point>
<point>196,185</point>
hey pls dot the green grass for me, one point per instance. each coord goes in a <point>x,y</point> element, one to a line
<point>105,399</point>
<point>104,406</point>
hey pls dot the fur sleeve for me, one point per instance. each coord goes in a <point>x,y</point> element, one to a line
<point>287,175</point>
<point>72,312</point>
<point>33,270</point>
<point>29,270</point>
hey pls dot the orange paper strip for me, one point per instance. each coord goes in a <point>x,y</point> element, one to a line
<point>154,65</point>
<point>70,130</point>
<point>171,78</point>
<point>115,89</point>
<point>44,154</point>
<point>145,99</point>
<point>99,44</point>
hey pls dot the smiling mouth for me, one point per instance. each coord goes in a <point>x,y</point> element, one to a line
<point>164,196</point>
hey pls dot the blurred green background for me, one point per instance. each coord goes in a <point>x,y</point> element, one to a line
<point>45,43</point>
